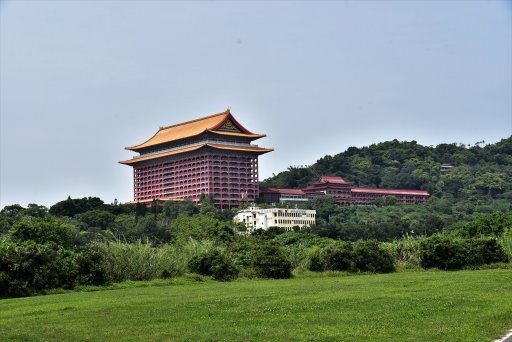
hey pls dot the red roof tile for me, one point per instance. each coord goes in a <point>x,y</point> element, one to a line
<point>331,179</point>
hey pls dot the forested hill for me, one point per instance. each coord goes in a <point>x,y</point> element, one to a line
<point>479,170</point>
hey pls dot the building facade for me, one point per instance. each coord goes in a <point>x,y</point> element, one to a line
<point>345,193</point>
<point>256,218</point>
<point>278,195</point>
<point>212,156</point>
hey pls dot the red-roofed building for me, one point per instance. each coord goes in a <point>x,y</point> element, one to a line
<point>277,195</point>
<point>212,155</point>
<point>346,193</point>
<point>404,196</point>
<point>332,186</point>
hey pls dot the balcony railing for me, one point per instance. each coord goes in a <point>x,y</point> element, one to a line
<point>193,145</point>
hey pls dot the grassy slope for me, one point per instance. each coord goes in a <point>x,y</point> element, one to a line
<point>464,306</point>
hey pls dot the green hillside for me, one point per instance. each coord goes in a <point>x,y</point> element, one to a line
<point>480,171</point>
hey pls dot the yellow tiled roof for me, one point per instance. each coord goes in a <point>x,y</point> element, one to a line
<point>258,150</point>
<point>193,128</point>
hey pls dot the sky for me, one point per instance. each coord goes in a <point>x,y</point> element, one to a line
<point>81,80</point>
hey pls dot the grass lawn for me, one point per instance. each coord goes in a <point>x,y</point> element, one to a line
<point>408,306</point>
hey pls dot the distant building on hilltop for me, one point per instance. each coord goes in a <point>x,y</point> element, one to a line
<point>212,155</point>
<point>256,218</point>
<point>345,193</point>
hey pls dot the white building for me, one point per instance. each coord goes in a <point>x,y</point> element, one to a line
<point>257,218</point>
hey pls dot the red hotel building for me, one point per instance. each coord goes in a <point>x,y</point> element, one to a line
<point>212,155</point>
<point>344,193</point>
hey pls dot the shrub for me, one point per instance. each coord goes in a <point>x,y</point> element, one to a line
<point>370,257</point>
<point>484,251</point>
<point>339,257</point>
<point>214,263</point>
<point>448,253</point>
<point>301,246</point>
<point>269,261</point>
<point>442,252</point>
<point>28,267</point>
<point>363,256</point>
<point>93,266</point>
<point>317,260</point>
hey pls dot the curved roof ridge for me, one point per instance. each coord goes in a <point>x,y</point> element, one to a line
<point>212,123</point>
<point>226,112</point>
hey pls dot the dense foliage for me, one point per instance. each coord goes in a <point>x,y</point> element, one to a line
<point>215,263</point>
<point>467,223</point>
<point>479,172</point>
<point>480,182</point>
<point>448,253</point>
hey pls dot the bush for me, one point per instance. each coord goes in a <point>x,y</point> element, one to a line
<point>484,251</point>
<point>93,266</point>
<point>269,261</point>
<point>370,257</point>
<point>448,253</point>
<point>442,252</point>
<point>317,260</point>
<point>362,256</point>
<point>339,257</point>
<point>214,263</point>
<point>27,268</point>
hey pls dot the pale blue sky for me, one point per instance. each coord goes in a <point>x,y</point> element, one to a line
<point>80,80</point>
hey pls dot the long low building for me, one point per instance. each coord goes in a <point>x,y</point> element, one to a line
<point>257,218</point>
<point>279,195</point>
<point>344,192</point>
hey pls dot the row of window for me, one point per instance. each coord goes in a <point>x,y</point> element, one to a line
<point>293,214</point>
<point>294,222</point>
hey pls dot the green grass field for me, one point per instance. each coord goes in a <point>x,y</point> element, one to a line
<point>408,306</point>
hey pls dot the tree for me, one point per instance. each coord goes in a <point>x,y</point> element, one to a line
<point>325,206</point>
<point>44,230</point>
<point>35,210</point>
<point>70,207</point>
<point>96,218</point>
<point>140,210</point>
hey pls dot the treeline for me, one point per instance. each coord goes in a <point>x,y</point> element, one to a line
<point>479,183</point>
<point>466,223</point>
<point>480,172</point>
<point>84,242</point>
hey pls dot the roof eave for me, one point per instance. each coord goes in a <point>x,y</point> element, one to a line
<point>258,150</point>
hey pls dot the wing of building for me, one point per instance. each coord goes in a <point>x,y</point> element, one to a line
<point>212,155</point>
<point>344,193</point>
